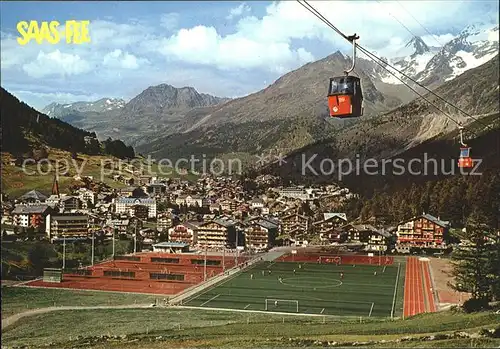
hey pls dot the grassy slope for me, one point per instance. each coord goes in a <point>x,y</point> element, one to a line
<point>226,329</point>
<point>16,182</point>
<point>19,299</point>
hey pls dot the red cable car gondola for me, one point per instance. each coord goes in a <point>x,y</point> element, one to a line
<point>465,161</point>
<point>345,97</point>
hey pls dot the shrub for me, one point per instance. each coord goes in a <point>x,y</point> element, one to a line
<point>475,304</point>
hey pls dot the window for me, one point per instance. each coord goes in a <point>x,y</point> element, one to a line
<point>202,262</point>
<point>164,260</point>
<point>116,273</point>
<point>160,276</point>
<point>128,258</point>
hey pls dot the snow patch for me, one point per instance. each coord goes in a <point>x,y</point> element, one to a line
<point>67,105</point>
<point>470,62</point>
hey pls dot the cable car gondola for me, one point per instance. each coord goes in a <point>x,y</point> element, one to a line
<point>345,97</point>
<point>465,161</point>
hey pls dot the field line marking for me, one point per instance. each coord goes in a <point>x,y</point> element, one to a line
<point>211,299</point>
<point>322,310</point>
<point>371,309</point>
<point>247,306</point>
<point>395,290</point>
<point>217,284</point>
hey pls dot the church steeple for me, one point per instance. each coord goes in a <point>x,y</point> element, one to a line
<point>55,187</point>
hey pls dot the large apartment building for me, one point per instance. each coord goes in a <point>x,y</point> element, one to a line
<point>72,224</point>
<point>424,231</point>
<point>127,206</point>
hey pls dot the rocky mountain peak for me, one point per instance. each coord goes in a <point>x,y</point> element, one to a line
<point>419,45</point>
<point>164,98</point>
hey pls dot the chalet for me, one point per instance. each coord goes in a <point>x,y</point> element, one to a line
<point>326,227</point>
<point>228,205</point>
<point>196,201</point>
<point>424,231</point>
<point>372,238</point>
<point>30,215</point>
<point>217,233</point>
<point>214,207</point>
<point>296,228</point>
<point>260,234</point>
<point>156,189</point>
<point>86,196</point>
<point>164,221</point>
<point>140,211</point>
<point>70,203</point>
<point>186,232</point>
<point>126,192</point>
<point>257,203</point>
<point>145,180</point>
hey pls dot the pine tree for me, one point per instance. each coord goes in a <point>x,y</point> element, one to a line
<point>475,260</point>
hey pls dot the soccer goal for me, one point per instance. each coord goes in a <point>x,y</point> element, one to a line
<point>282,305</point>
<point>329,259</point>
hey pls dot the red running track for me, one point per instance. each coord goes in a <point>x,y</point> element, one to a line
<point>428,287</point>
<point>418,296</point>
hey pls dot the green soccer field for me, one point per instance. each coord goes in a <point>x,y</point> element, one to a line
<point>365,290</point>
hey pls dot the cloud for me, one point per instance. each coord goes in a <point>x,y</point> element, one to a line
<point>125,60</point>
<point>170,21</point>
<point>238,11</point>
<point>203,45</point>
<point>56,63</point>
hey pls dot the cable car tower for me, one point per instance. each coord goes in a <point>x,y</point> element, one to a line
<point>345,97</point>
<point>465,161</point>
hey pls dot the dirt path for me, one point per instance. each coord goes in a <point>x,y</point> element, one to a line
<point>441,274</point>
<point>14,318</point>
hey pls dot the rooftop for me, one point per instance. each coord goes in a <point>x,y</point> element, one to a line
<point>33,194</point>
<point>171,244</point>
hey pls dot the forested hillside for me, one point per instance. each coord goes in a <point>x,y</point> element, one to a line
<point>24,129</point>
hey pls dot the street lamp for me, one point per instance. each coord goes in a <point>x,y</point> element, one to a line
<point>64,249</point>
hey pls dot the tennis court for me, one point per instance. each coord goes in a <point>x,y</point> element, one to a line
<point>307,288</point>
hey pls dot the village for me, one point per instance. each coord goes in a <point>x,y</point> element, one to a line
<point>214,214</point>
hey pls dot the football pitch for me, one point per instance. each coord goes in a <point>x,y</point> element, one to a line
<point>307,288</point>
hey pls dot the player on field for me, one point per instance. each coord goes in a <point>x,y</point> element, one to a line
<point>341,275</point>
<point>294,272</point>
<point>375,273</point>
<point>251,276</point>
<point>263,273</point>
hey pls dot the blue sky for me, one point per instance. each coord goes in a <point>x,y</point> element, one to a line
<point>222,48</point>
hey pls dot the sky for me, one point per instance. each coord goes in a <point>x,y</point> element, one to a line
<point>227,49</point>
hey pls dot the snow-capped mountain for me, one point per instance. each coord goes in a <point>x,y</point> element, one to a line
<point>471,48</point>
<point>104,104</point>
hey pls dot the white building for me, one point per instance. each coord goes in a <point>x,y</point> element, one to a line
<point>86,195</point>
<point>125,205</point>
<point>297,193</point>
